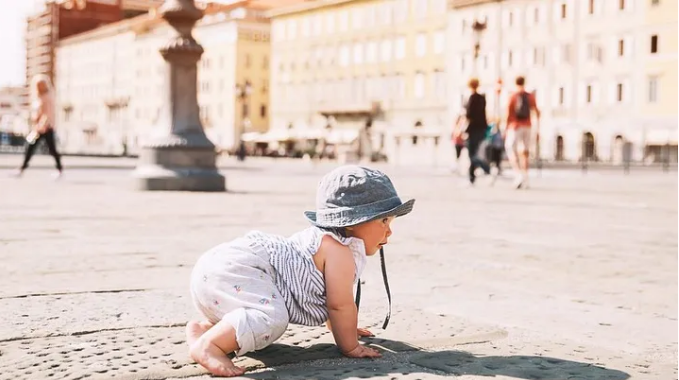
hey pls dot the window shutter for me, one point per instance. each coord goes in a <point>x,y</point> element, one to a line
<point>612,92</point>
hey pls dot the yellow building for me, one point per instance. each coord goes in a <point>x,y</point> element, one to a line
<point>659,93</point>
<point>110,86</point>
<point>339,63</point>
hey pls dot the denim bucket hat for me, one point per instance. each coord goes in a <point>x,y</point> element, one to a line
<point>352,194</point>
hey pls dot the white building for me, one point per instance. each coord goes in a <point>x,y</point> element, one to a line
<point>110,80</point>
<point>582,58</point>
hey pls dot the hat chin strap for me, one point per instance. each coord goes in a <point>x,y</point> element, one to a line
<point>386,287</point>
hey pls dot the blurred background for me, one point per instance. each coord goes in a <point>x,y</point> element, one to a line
<point>380,78</point>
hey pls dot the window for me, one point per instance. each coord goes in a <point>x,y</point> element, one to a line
<point>463,62</point>
<point>588,94</point>
<point>655,2</point>
<point>400,86</point>
<point>400,48</point>
<point>510,58</point>
<point>536,15</point>
<point>357,18</point>
<point>564,11</point>
<point>306,26</point>
<point>330,22</point>
<point>401,10</point>
<point>343,21</point>
<point>262,110</point>
<point>386,51</point>
<point>619,92</point>
<point>566,52</point>
<point>621,5</point>
<point>421,45</point>
<point>621,48</point>
<point>292,29</point>
<point>344,55</point>
<point>562,96</point>
<point>358,53</point>
<point>511,18</point>
<point>439,42</point>
<point>419,85</point>
<point>386,13</point>
<point>371,52</point>
<point>439,79</point>
<point>654,44</point>
<point>591,7</point>
<point>653,89</point>
<point>421,8</point>
<point>370,16</point>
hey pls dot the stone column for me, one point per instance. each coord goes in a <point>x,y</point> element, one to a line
<point>177,155</point>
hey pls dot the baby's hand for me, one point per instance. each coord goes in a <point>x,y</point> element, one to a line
<point>364,333</point>
<point>363,352</point>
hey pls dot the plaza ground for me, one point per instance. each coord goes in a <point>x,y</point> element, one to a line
<point>575,278</point>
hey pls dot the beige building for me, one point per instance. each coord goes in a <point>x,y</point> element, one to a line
<point>339,63</point>
<point>13,114</point>
<point>110,84</point>
<point>582,58</point>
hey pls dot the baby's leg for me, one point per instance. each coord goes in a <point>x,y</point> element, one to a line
<point>195,329</point>
<point>212,347</point>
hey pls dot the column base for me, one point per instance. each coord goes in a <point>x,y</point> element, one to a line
<point>178,169</point>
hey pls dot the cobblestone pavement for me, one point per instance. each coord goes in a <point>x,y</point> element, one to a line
<point>573,279</point>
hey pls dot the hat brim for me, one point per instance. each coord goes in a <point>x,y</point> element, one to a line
<point>400,210</point>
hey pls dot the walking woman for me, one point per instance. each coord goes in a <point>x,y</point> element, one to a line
<point>42,119</point>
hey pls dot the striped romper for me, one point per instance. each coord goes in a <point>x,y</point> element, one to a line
<point>261,282</point>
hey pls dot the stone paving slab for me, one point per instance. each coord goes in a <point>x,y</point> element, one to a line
<point>160,352</point>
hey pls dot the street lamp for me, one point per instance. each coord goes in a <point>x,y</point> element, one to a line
<point>478,27</point>
<point>243,92</point>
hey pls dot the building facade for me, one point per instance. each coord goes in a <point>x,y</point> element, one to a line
<point>13,115</point>
<point>56,20</point>
<point>582,59</point>
<point>338,64</point>
<point>110,83</point>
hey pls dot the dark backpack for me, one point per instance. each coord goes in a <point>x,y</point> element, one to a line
<point>522,107</point>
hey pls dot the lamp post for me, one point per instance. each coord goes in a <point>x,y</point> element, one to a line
<point>478,27</point>
<point>178,155</point>
<point>243,92</point>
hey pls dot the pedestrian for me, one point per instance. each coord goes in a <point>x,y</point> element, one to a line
<point>458,138</point>
<point>476,129</point>
<point>521,106</point>
<point>496,148</point>
<point>250,288</point>
<point>42,120</point>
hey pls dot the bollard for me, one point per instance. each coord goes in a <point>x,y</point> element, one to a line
<point>626,156</point>
<point>584,156</point>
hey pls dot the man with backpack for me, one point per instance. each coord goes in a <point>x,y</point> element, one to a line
<point>518,132</point>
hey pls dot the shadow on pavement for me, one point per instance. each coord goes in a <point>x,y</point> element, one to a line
<point>417,361</point>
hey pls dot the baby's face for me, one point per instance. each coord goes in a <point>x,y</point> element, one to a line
<point>374,234</point>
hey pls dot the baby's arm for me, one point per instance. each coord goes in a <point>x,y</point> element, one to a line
<point>339,271</point>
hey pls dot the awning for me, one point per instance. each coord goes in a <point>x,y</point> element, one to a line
<point>660,137</point>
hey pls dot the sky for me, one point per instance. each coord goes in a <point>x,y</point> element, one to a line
<point>12,48</point>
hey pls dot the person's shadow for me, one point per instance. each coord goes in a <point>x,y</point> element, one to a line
<point>412,359</point>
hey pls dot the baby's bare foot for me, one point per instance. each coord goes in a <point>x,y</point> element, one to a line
<point>213,359</point>
<point>195,329</point>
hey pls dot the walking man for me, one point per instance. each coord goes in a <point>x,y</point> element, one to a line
<point>476,129</point>
<point>518,133</point>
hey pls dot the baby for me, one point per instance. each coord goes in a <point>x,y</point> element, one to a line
<point>250,288</point>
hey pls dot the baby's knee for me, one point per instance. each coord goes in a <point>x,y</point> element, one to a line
<point>256,330</point>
